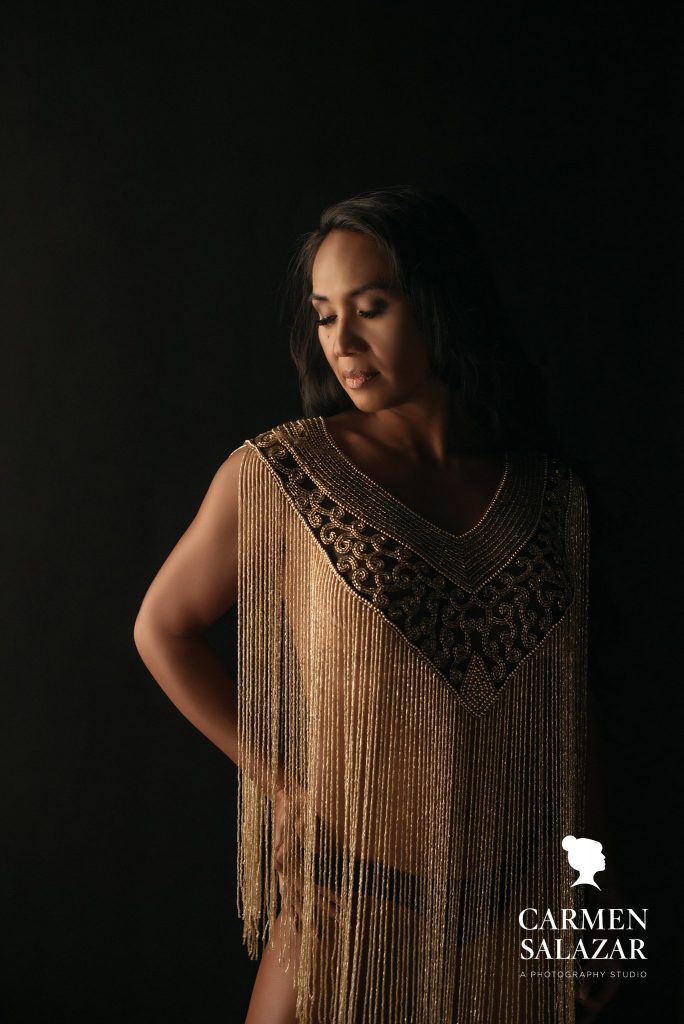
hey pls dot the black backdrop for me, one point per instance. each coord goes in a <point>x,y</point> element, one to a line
<point>159,162</point>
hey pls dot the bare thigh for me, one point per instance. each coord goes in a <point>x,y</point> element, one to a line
<point>274,995</point>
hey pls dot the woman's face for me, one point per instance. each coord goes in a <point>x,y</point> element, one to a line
<point>367,331</point>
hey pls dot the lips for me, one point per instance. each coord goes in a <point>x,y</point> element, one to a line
<point>355,379</point>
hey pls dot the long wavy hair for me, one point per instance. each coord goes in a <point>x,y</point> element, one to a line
<point>434,257</point>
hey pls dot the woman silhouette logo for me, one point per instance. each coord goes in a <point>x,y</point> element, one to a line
<point>585,856</point>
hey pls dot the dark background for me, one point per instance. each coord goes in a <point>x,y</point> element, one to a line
<point>158,164</point>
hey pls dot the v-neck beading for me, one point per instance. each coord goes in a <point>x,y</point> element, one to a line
<point>470,558</point>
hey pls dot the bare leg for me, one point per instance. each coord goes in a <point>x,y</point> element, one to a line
<point>274,995</point>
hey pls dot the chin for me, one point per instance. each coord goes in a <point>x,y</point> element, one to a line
<point>365,402</point>
<point>374,399</point>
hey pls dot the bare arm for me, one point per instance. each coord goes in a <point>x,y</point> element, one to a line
<point>195,586</point>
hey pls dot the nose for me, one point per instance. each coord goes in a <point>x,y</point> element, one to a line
<point>346,338</point>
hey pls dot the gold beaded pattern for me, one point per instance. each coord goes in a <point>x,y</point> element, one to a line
<point>419,697</point>
<point>487,629</point>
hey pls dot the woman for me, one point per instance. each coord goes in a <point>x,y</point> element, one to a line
<point>410,571</point>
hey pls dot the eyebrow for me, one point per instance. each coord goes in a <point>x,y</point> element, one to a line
<point>381,286</point>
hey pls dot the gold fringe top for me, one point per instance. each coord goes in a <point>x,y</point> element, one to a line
<point>422,695</point>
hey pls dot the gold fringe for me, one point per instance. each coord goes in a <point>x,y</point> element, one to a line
<point>375,746</point>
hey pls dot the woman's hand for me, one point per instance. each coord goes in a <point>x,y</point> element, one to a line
<point>281,811</point>
<point>288,849</point>
<point>288,852</point>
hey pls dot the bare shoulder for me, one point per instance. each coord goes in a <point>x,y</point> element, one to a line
<point>350,421</point>
<point>198,581</point>
<point>221,499</point>
<point>229,470</point>
<point>350,431</point>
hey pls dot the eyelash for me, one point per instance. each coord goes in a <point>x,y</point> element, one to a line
<point>368,314</point>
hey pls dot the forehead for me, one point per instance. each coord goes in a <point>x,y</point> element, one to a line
<point>345,259</point>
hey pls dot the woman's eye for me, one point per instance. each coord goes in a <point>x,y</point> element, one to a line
<point>368,314</point>
<point>377,309</point>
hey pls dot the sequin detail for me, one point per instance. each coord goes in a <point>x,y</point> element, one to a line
<point>474,637</point>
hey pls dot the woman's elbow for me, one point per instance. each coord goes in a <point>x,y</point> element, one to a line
<point>143,630</point>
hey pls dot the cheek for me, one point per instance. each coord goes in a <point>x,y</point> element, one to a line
<point>410,350</point>
<point>325,345</point>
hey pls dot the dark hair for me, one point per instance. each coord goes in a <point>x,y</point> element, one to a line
<point>435,260</point>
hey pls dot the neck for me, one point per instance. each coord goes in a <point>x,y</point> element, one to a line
<point>426,429</point>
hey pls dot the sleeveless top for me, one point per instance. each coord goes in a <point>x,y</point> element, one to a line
<point>422,696</point>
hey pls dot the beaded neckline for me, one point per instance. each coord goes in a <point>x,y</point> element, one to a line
<point>315,472</point>
<point>406,509</point>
